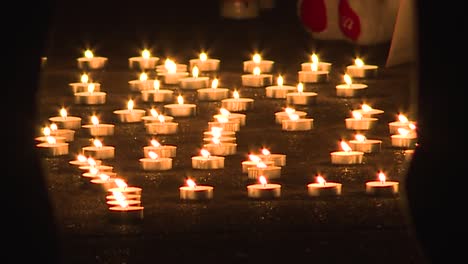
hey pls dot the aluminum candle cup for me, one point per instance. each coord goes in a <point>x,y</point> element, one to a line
<point>104,152</point>
<point>238,104</point>
<point>264,191</point>
<point>312,76</point>
<point>142,63</point>
<point>130,116</point>
<point>180,110</point>
<point>212,94</point>
<point>301,98</point>
<point>157,95</point>
<point>254,80</point>
<point>68,122</point>
<point>324,189</point>
<point>366,146</point>
<point>93,63</point>
<point>253,164</point>
<point>207,140</point>
<point>364,123</point>
<point>193,83</point>
<point>322,66</point>
<point>346,157</point>
<point>382,188</point>
<point>208,163</point>
<point>100,130</point>
<point>91,175</point>
<point>351,90</point>
<point>157,164</point>
<point>394,126</point>
<point>90,98</point>
<point>173,77</point>
<point>79,87</point>
<point>163,151</point>
<point>303,124</point>
<point>280,116</point>
<point>234,117</point>
<point>53,149</point>
<point>113,202</point>
<point>270,172</point>
<point>277,159</point>
<point>279,91</point>
<point>127,214</point>
<point>140,85</point>
<point>221,149</point>
<point>163,128</point>
<point>206,65</point>
<point>67,134</point>
<point>264,65</point>
<point>404,141</point>
<point>104,184</point>
<point>198,192</point>
<point>226,126</point>
<point>364,71</point>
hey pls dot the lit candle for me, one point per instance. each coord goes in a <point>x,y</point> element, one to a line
<point>323,187</point>
<point>195,81</point>
<point>53,148</point>
<point>263,190</point>
<point>257,78</point>
<point>156,94</point>
<point>95,172</point>
<point>359,122</point>
<point>206,161</point>
<point>154,116</point>
<point>97,129</point>
<point>172,74</point>
<point>141,84</point>
<point>99,151</point>
<point>280,116</point>
<point>180,109</point>
<point>322,66</point>
<point>362,143</point>
<point>104,181</point>
<point>314,75</point>
<point>82,160</point>
<point>163,151</point>
<point>169,65</point>
<point>143,62</point>
<point>403,122</point>
<point>218,132</point>
<point>68,134</point>
<point>261,168</point>
<point>125,189</point>
<point>361,70</point>
<point>155,163</point>
<point>235,117</point>
<point>347,156</point>
<point>350,89</point>
<point>279,90</point>
<point>253,161</point>
<point>65,121</point>
<point>91,62</point>
<point>214,93</point>
<point>221,148</point>
<point>237,103</point>
<point>406,137</point>
<point>382,186</point>
<point>125,212</point>
<point>225,124</point>
<point>116,196</point>
<point>162,127</point>
<point>92,167</point>
<point>278,159</point>
<point>192,191</point>
<point>294,123</point>
<point>257,61</point>
<point>130,115</point>
<point>46,131</point>
<point>116,202</point>
<point>207,140</point>
<point>82,86</point>
<point>367,111</point>
<point>204,63</point>
<point>300,97</point>
<point>90,97</point>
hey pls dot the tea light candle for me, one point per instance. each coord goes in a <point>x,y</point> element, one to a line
<point>225,124</point>
<point>204,63</point>
<point>314,75</point>
<point>234,117</point>
<point>214,93</point>
<point>162,127</point>
<point>67,134</point>
<point>82,86</point>
<point>358,122</point>
<point>90,97</point>
<point>130,115</point>
<point>256,79</point>
<point>403,122</point>
<point>172,74</point>
<point>156,94</point>
<point>207,140</point>
<point>94,167</point>
<point>361,143</point>
<point>141,84</point>
<point>192,191</point>
<point>253,161</point>
<point>206,161</point>
<point>163,151</point>
<point>263,190</point>
<point>169,65</point>
<point>97,129</point>
<point>294,123</point>
<point>367,111</point>
<point>154,116</point>
<point>219,148</point>
<point>350,89</point>
<point>155,163</point>
<point>361,70</point>
<point>323,188</point>
<point>218,132</point>
<point>194,82</point>
<point>99,151</point>
<point>322,66</point>
<point>82,160</point>
<point>278,159</point>
<point>114,202</point>
<point>237,103</point>
<point>65,121</point>
<point>300,97</point>
<point>126,213</point>
<point>280,116</point>
<point>47,133</point>
<point>91,62</point>
<point>105,181</point>
<point>95,173</point>
<point>257,61</point>
<point>125,189</point>
<point>143,62</point>
<point>180,109</point>
<point>382,186</point>
<point>406,138</point>
<point>270,172</point>
<point>347,156</point>
<point>279,90</point>
<point>116,196</point>
<point>53,148</point>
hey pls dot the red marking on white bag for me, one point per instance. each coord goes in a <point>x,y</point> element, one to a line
<point>350,24</point>
<point>313,14</point>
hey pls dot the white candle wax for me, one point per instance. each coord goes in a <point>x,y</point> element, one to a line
<point>302,124</point>
<point>194,82</point>
<point>301,98</point>
<point>264,65</point>
<point>254,80</point>
<point>90,98</point>
<point>157,164</point>
<point>207,65</point>
<point>94,63</point>
<point>212,94</point>
<point>67,122</point>
<point>100,130</point>
<point>280,116</point>
<point>157,95</point>
<point>234,117</point>
<point>140,85</point>
<point>253,164</point>
<point>208,163</point>
<point>277,159</point>
<point>180,110</point>
<point>270,172</point>
<point>312,76</point>
<point>130,115</point>
<point>173,77</point>
<point>404,141</point>
<point>156,119</point>
<point>321,66</point>
<point>104,152</point>
<point>394,126</point>
<point>278,91</point>
<point>364,123</point>
<point>221,149</point>
<point>53,149</point>
<point>238,104</point>
<point>264,191</point>
<point>382,188</point>
<point>351,90</point>
<point>163,151</point>
<point>324,189</point>
<point>364,71</point>
<point>142,63</point>
<point>79,87</point>
<point>367,145</point>
<point>226,126</point>
<point>163,128</point>
<point>198,192</point>
<point>207,140</point>
<point>346,157</point>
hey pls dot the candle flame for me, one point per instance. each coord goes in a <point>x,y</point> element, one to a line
<point>235,94</point>
<point>156,84</point>
<point>300,87</point>
<point>314,66</point>
<point>95,120</point>
<point>130,104</point>
<point>170,66</point>
<point>93,170</point>
<point>254,158</point>
<point>91,87</point>
<point>412,126</point>
<point>293,117</point>
<point>321,180</point>
<point>222,119</point>
<point>97,143</point>
<point>143,76</point>
<point>214,83</point>
<point>191,183</point>
<point>155,143</point>
<point>314,58</point>
<point>154,112</point>
<point>216,131</point>
<point>266,152</point>
<point>403,131</point>
<point>366,107</point>
<point>118,196</point>
<point>289,110</point>
<point>104,177</point>
<point>81,158</point>
<point>180,99</point>
<point>402,118</point>
<point>382,177</point>
<point>347,79</point>
<point>280,80</point>
<point>53,127</point>
<point>46,131</point>
<point>203,56</point>
<point>195,71</point>
<point>224,112</point>
<point>262,180</point>
<point>257,58</point>
<point>91,162</point>
<point>88,54</point>
<point>257,71</point>
<point>84,78</point>
<point>51,140</point>
<point>205,153</point>
<point>121,183</point>
<point>124,203</point>
<point>161,119</point>
<point>356,115</point>
<point>360,137</point>
<point>63,112</point>
<point>261,165</point>
<point>345,146</point>
<point>359,62</point>
<point>153,155</point>
<point>146,54</point>
<point>216,140</point>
